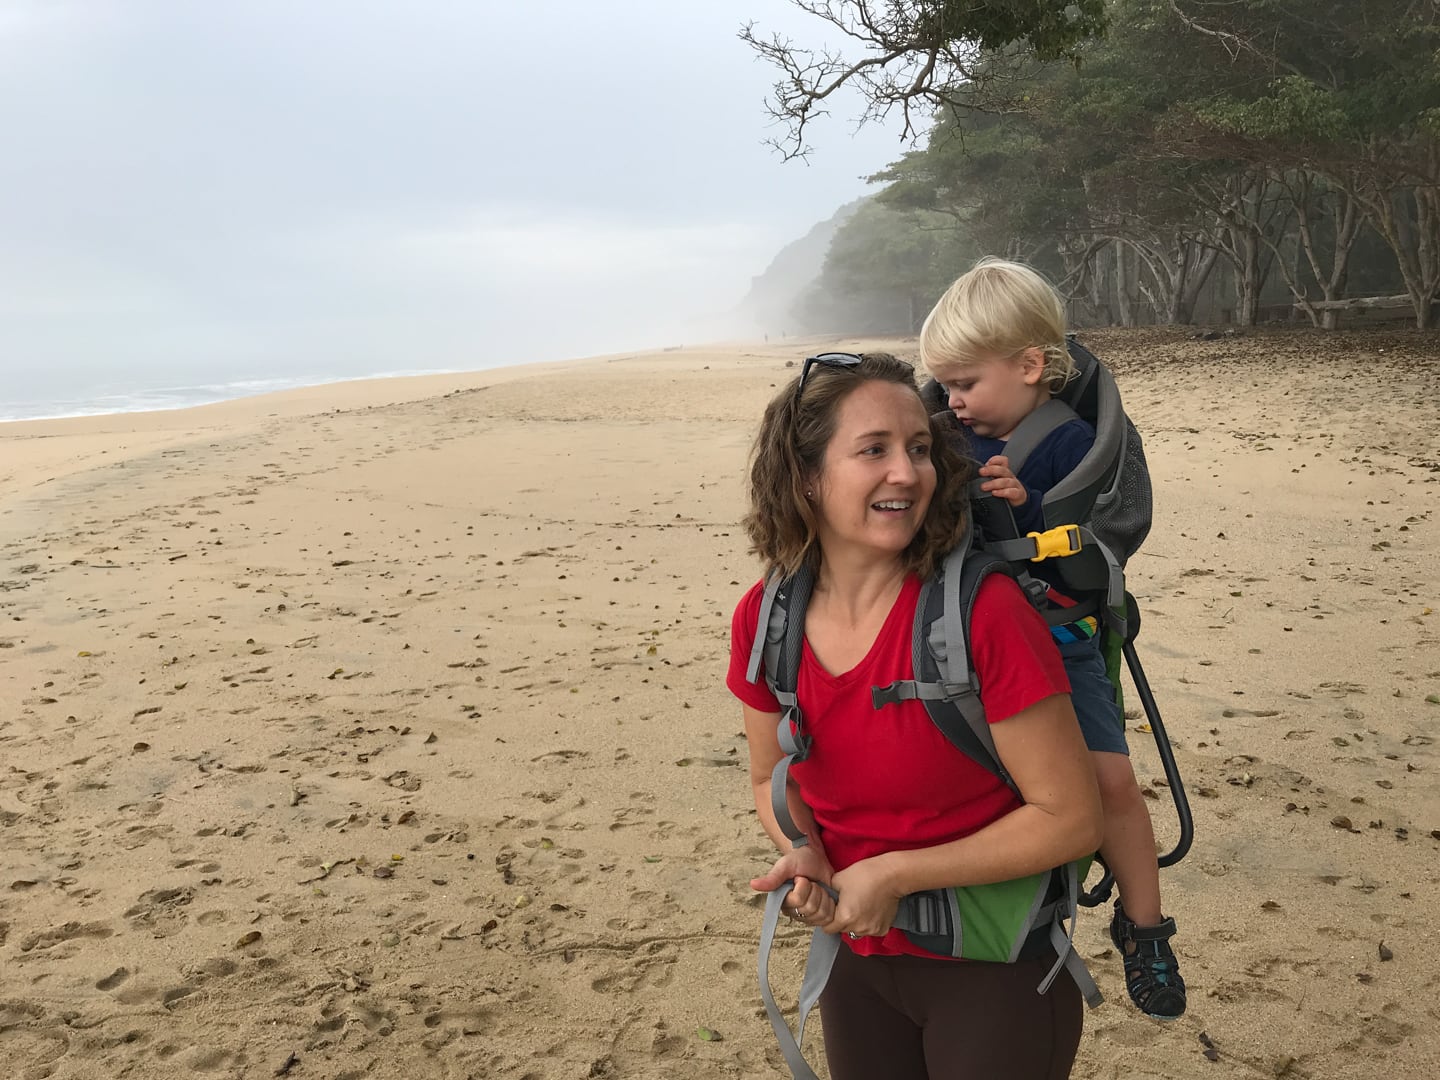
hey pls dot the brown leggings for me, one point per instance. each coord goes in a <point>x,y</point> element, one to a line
<point>914,1018</point>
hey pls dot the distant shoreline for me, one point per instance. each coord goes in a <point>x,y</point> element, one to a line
<point>174,398</point>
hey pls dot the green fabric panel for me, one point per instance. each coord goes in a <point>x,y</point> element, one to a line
<point>1112,647</point>
<point>993,916</point>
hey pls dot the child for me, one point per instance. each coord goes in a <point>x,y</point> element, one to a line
<point>996,343</point>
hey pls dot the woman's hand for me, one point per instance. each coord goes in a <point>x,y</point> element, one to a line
<point>808,901</point>
<point>868,899</point>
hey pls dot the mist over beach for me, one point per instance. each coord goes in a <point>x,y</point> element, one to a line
<point>249,197</point>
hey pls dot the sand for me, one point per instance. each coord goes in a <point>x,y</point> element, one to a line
<point>378,729</point>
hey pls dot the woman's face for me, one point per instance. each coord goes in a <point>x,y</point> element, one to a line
<point>877,478</point>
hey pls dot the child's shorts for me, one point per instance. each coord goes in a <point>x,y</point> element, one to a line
<point>1093,696</point>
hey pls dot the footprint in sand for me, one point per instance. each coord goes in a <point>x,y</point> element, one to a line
<point>114,979</point>
<point>631,815</point>
<point>159,910</point>
<point>32,1040</point>
<point>207,1059</point>
<point>654,968</point>
<point>447,1025</point>
<point>70,931</point>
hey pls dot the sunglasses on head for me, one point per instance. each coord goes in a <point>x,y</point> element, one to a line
<point>838,360</point>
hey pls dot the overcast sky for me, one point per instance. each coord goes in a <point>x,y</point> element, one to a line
<point>243,187</point>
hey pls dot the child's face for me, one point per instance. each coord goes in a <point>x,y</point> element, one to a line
<point>994,393</point>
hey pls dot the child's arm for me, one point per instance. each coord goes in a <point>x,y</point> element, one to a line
<point>1024,502</point>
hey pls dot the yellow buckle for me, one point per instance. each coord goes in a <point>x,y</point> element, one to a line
<point>1055,543</point>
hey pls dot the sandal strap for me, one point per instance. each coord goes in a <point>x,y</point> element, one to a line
<point>1162,931</point>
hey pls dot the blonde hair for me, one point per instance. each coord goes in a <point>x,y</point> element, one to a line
<point>998,308</point>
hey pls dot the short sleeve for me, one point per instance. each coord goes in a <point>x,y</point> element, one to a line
<point>1016,659</point>
<point>742,638</point>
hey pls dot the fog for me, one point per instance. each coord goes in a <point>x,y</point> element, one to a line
<point>230,190</point>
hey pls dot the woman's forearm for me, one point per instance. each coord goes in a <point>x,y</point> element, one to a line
<point>1059,821</point>
<point>1025,841</point>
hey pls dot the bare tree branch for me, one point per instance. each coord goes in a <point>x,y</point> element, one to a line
<point>916,55</point>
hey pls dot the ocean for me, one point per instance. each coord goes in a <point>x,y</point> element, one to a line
<point>35,395</point>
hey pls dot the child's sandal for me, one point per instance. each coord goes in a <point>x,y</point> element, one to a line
<point>1152,974</point>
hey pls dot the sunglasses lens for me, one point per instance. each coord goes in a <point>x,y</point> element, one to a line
<point>830,360</point>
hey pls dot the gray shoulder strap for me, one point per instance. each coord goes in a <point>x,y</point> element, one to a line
<point>1033,430</point>
<point>762,633</point>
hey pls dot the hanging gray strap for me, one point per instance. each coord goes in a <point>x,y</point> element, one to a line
<point>1034,429</point>
<point>1115,582</point>
<point>1064,943</point>
<point>823,950</point>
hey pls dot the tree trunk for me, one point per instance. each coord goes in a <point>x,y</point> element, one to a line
<point>1247,276</point>
<point>1190,269</point>
<point>1123,296</point>
<point>1336,201</point>
<point>1407,214</point>
<point>1248,212</point>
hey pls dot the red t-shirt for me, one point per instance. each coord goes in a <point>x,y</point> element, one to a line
<point>885,780</point>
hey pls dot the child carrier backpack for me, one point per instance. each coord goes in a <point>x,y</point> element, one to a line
<point>1095,518</point>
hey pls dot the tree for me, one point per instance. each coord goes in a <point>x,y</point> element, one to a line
<point>1298,138</point>
<point>1351,94</point>
<point>913,55</point>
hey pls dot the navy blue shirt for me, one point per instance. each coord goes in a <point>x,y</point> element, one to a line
<point>1049,463</point>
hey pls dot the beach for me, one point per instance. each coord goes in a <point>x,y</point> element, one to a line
<point>378,729</point>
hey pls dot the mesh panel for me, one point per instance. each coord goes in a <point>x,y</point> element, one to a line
<point>1123,524</point>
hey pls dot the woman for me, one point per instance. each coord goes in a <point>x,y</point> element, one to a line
<point>849,476</point>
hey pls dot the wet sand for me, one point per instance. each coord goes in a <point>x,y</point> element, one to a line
<point>378,729</point>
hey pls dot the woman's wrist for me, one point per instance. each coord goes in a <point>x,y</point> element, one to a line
<point>892,868</point>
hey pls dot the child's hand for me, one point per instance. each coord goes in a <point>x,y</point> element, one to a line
<point>1003,483</point>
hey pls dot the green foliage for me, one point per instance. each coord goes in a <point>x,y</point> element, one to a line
<point>1294,110</point>
<point>1192,126</point>
<point>1051,29</point>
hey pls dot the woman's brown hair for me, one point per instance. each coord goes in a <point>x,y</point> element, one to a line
<point>790,449</point>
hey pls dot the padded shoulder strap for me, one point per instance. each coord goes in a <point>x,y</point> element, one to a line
<point>761,644</point>
<point>945,681</point>
<point>779,642</point>
<point>1032,431</point>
